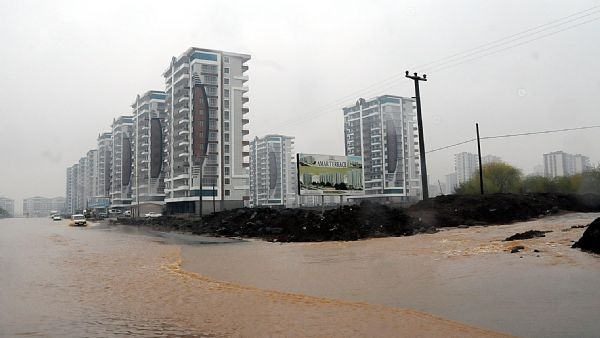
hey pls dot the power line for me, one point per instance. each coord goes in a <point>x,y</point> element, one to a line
<point>514,135</point>
<point>539,132</point>
<point>512,46</point>
<point>454,59</point>
<point>516,36</point>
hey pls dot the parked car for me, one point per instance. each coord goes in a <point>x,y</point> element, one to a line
<point>78,220</point>
<point>127,213</point>
<point>56,218</point>
<point>152,214</point>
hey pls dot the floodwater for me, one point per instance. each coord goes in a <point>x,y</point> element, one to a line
<point>103,281</point>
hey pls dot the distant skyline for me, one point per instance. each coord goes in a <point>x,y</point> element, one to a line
<point>69,68</point>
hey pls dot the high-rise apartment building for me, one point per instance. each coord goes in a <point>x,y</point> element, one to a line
<point>104,165</point>
<point>90,179</point>
<point>451,183</point>
<point>273,179</point>
<point>70,192</point>
<point>581,163</point>
<point>7,205</point>
<point>43,206</point>
<point>120,192</point>
<point>559,163</point>
<point>206,93</point>
<point>148,185</point>
<point>81,198</point>
<point>487,159</point>
<point>382,130</point>
<point>465,165</point>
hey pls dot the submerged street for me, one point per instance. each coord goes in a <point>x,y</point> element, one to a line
<point>107,280</point>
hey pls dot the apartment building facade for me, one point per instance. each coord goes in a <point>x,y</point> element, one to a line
<point>465,166</point>
<point>273,180</point>
<point>383,131</point>
<point>121,168</point>
<point>8,205</point>
<point>104,165</point>
<point>560,163</point>
<point>149,119</point>
<point>206,154</point>
<point>43,206</point>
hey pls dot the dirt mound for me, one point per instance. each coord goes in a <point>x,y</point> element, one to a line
<point>455,210</point>
<point>527,235</point>
<point>299,225</point>
<point>369,219</point>
<point>590,240</point>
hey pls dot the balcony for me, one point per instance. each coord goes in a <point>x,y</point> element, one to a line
<point>245,121</point>
<point>245,99</point>
<point>245,131</point>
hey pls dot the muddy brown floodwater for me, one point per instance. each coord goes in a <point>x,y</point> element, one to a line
<point>98,281</point>
<point>58,281</point>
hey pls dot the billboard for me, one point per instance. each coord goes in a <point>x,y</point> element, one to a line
<point>329,175</point>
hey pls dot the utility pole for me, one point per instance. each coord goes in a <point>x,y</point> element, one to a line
<point>425,187</point>
<point>479,152</point>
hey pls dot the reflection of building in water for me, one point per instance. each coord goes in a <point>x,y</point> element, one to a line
<point>273,171</point>
<point>382,130</point>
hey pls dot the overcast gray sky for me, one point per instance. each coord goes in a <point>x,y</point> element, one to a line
<point>69,67</point>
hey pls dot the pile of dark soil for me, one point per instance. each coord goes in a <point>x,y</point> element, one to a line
<point>527,235</point>
<point>369,219</point>
<point>454,210</point>
<point>346,223</point>
<point>590,240</point>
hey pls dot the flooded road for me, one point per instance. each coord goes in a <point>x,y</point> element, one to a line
<point>98,281</point>
<point>467,275</point>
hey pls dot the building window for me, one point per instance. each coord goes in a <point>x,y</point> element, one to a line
<point>226,92</point>
<point>226,115</point>
<point>226,137</point>
<point>227,171</point>
<point>226,149</point>
<point>227,192</point>
<point>226,70</point>
<point>226,181</point>
<point>226,159</point>
<point>226,59</point>
<point>212,136</point>
<point>226,126</point>
<point>226,104</point>
<point>226,81</point>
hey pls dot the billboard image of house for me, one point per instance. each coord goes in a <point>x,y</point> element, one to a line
<point>329,175</point>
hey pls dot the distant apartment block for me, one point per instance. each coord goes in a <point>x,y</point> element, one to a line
<point>382,130</point>
<point>451,183</point>
<point>8,205</point>
<point>487,159</point>
<point>71,206</point>
<point>120,193</point>
<point>559,163</point>
<point>465,165</point>
<point>90,180</point>
<point>273,179</point>
<point>104,165</point>
<point>148,185</point>
<point>43,206</point>
<point>204,137</point>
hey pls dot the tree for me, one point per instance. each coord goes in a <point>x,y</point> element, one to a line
<point>497,177</point>
<point>536,184</point>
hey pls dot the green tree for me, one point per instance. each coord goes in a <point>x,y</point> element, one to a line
<point>497,177</point>
<point>535,184</point>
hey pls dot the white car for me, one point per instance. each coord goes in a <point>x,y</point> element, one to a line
<point>78,220</point>
<point>152,214</point>
<point>56,218</point>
